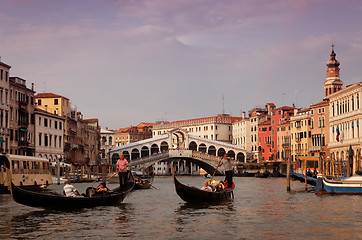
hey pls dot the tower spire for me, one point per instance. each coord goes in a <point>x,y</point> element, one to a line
<point>332,83</point>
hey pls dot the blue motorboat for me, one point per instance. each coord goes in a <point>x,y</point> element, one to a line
<point>350,185</point>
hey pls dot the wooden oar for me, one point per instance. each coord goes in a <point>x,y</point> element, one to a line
<point>116,173</point>
<point>113,175</point>
<point>216,168</point>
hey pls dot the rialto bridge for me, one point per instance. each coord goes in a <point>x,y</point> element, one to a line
<point>178,145</point>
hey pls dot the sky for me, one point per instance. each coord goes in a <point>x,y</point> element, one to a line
<point>131,61</point>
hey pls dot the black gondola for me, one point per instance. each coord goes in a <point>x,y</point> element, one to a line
<point>144,185</point>
<point>262,174</point>
<point>53,200</point>
<point>196,195</point>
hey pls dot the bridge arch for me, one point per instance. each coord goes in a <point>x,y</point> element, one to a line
<point>221,152</point>
<point>240,157</point>
<point>231,154</point>
<point>212,150</point>
<point>115,158</point>
<point>154,149</point>
<point>135,154</point>
<point>202,148</point>
<point>193,146</point>
<point>145,151</point>
<point>164,146</point>
<point>126,155</point>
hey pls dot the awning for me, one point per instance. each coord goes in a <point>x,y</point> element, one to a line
<point>2,140</point>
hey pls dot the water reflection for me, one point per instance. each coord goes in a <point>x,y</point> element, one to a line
<point>262,209</point>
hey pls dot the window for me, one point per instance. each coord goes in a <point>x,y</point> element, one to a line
<point>39,121</point>
<point>46,140</point>
<point>39,102</point>
<point>39,139</point>
<point>56,124</point>
<point>45,122</point>
<point>55,101</point>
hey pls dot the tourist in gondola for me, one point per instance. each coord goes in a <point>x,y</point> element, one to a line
<point>206,187</point>
<point>69,190</point>
<point>228,167</point>
<point>102,188</point>
<point>122,165</point>
<point>220,187</point>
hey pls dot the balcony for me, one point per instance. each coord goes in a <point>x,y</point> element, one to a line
<point>23,124</point>
<point>315,148</point>
<point>23,143</point>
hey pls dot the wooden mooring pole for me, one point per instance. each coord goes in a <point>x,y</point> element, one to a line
<point>288,175</point>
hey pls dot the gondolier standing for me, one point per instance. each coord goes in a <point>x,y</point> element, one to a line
<point>122,164</point>
<point>228,168</point>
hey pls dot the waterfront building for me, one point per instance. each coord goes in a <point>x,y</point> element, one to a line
<point>107,142</point>
<point>265,141</point>
<point>49,135</point>
<point>283,140</point>
<point>319,129</point>
<point>217,128</point>
<point>344,124</point>
<point>4,107</point>
<point>22,120</point>
<point>300,131</point>
<point>241,133</point>
<point>258,116</point>
<point>81,137</point>
<point>89,139</point>
<point>131,134</point>
<point>280,133</point>
<point>59,105</point>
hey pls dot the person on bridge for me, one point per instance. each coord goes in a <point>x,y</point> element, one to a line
<point>228,167</point>
<point>122,165</point>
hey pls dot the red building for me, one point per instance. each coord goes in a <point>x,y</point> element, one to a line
<point>280,117</point>
<point>265,141</point>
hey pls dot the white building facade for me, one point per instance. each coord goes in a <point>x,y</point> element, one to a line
<point>48,135</point>
<point>345,116</point>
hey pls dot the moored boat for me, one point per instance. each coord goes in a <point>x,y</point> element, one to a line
<point>264,174</point>
<point>300,177</point>
<point>53,200</point>
<point>350,185</point>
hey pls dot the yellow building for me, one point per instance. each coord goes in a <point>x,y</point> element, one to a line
<point>53,103</point>
<point>300,125</point>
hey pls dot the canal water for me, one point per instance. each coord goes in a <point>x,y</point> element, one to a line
<point>262,209</point>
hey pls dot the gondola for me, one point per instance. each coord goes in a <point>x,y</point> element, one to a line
<point>196,195</point>
<point>262,174</point>
<point>144,185</point>
<point>54,200</point>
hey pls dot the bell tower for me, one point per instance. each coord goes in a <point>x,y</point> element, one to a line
<point>333,83</point>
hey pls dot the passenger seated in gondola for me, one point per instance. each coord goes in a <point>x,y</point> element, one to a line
<point>69,190</point>
<point>139,180</point>
<point>206,187</point>
<point>102,188</point>
<point>220,187</point>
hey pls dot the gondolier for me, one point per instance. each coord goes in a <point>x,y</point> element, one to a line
<point>228,168</point>
<point>122,164</point>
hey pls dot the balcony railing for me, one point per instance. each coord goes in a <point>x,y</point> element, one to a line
<point>315,148</point>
